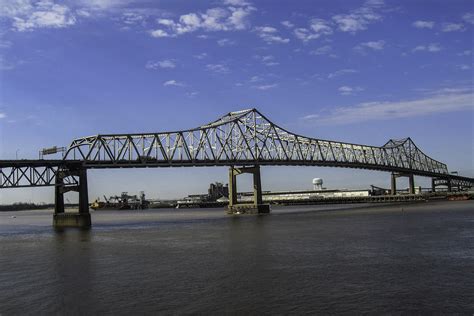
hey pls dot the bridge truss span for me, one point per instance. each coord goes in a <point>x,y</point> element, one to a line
<point>246,138</point>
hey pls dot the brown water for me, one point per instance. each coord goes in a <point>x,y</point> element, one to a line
<point>297,260</point>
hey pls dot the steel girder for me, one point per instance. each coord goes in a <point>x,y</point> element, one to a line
<point>34,173</point>
<point>246,138</point>
<point>239,138</point>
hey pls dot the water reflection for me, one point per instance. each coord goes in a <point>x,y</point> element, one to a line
<point>73,270</point>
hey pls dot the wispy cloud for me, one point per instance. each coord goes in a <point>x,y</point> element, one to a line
<point>9,65</point>
<point>225,42</point>
<point>270,35</point>
<point>29,15</point>
<point>464,67</point>
<point>453,27</point>
<point>4,43</point>
<point>267,60</point>
<point>266,86</point>
<point>359,19</point>
<point>233,17</point>
<point>316,29</point>
<point>288,24</point>
<point>255,79</point>
<point>237,3</point>
<point>173,83</point>
<point>467,52</point>
<point>167,63</point>
<point>2,115</point>
<point>218,68</point>
<point>442,101</point>
<point>192,94</point>
<point>432,48</point>
<point>374,45</point>
<point>352,22</point>
<point>341,72</point>
<point>346,90</point>
<point>200,56</point>
<point>323,50</point>
<point>469,17</point>
<point>424,24</point>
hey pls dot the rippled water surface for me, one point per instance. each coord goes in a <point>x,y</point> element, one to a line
<point>313,259</point>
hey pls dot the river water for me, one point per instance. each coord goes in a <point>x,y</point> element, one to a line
<point>397,259</point>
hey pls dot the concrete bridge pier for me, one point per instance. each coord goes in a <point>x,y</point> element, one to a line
<point>82,218</point>
<point>394,184</point>
<point>257,207</point>
<point>411,182</point>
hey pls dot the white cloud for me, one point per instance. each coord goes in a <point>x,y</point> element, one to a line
<point>173,83</point>
<point>465,53</point>
<point>375,45</point>
<point>27,15</point>
<point>255,79</point>
<point>359,19</point>
<point>237,3</point>
<point>346,90</point>
<point>2,115</point>
<point>341,72</point>
<point>316,29</point>
<point>266,87</point>
<point>218,68</point>
<point>288,24</point>
<point>7,65</point>
<point>167,63</point>
<point>132,18</point>
<point>5,43</point>
<point>424,24</point>
<point>201,56</point>
<point>464,67</point>
<point>192,94</point>
<point>323,50</point>
<point>231,18</point>
<point>432,48</point>
<point>103,4</point>
<point>453,27</point>
<point>267,60</point>
<point>225,42</point>
<point>270,35</point>
<point>469,17</point>
<point>440,102</point>
<point>160,33</point>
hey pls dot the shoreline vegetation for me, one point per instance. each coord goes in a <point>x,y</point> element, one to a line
<point>29,206</point>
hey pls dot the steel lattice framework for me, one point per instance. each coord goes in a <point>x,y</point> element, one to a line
<point>242,138</point>
<point>26,173</point>
<point>247,138</point>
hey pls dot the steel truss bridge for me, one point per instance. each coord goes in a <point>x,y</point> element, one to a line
<point>245,138</point>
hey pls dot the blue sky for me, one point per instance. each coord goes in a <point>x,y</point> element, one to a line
<point>355,71</point>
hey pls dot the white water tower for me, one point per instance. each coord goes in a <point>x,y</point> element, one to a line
<point>317,184</point>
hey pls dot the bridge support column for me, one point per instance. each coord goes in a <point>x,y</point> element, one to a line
<point>257,207</point>
<point>411,181</point>
<point>59,193</point>
<point>433,185</point>
<point>394,184</point>
<point>82,218</point>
